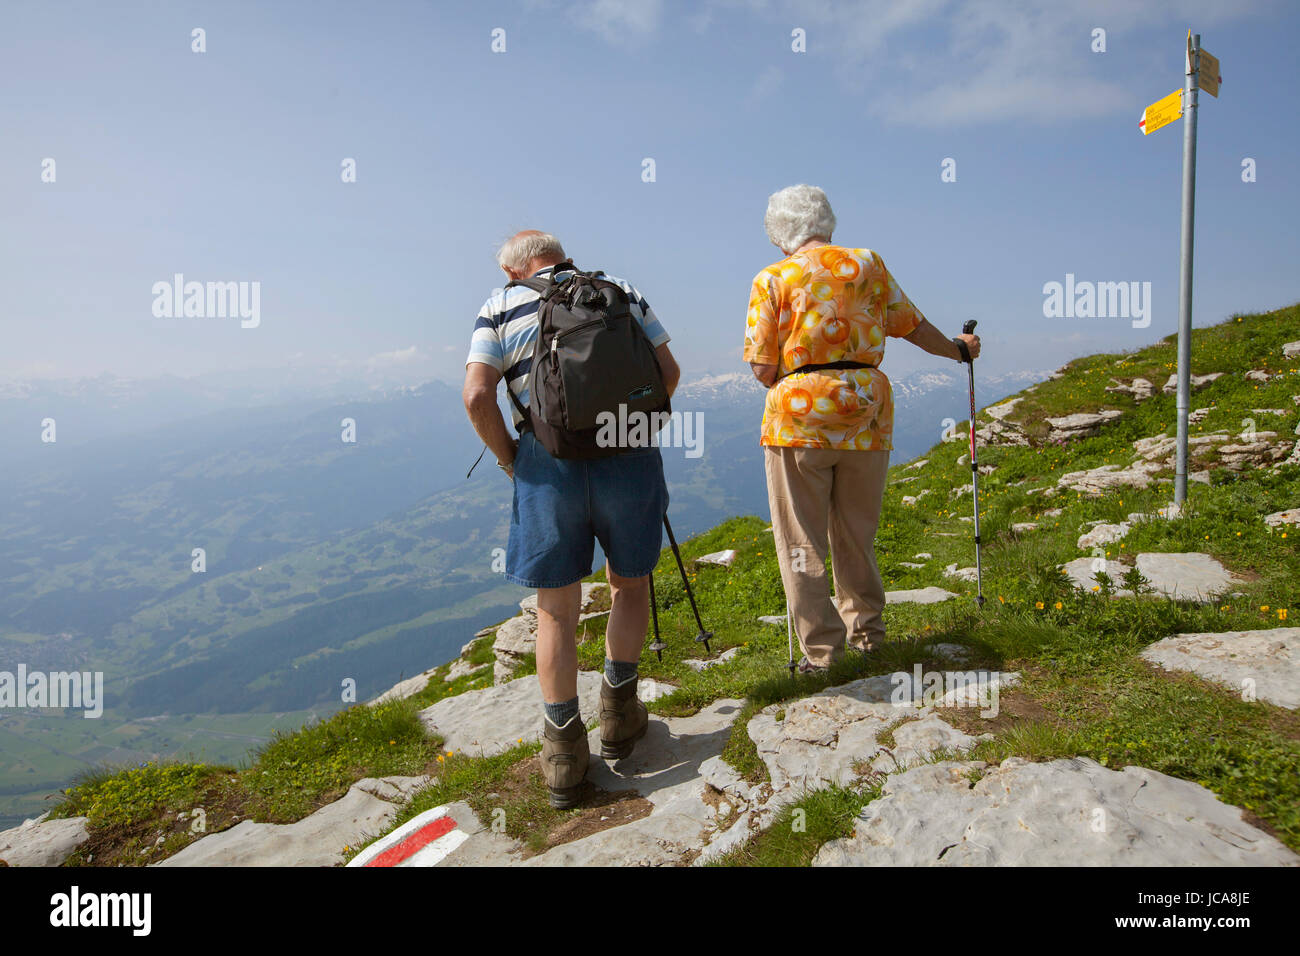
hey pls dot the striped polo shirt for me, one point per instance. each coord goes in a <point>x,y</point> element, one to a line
<point>506,329</point>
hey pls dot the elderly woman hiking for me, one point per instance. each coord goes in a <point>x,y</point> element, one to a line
<point>815,336</point>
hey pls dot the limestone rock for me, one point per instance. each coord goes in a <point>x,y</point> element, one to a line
<point>666,769</point>
<point>1103,534</point>
<point>494,719</point>
<point>317,840</point>
<point>1190,576</point>
<point>1263,450</point>
<point>405,688</point>
<point>723,558</point>
<point>920,463</point>
<point>1198,382</point>
<point>1080,424</point>
<point>961,574</point>
<point>42,841</point>
<point>927,595</point>
<point>1257,375</point>
<point>1000,411</point>
<point>1291,350</point>
<point>1082,573</point>
<point>1140,389</point>
<point>832,737</point>
<point>1095,482</point>
<point>1268,659</point>
<point>515,639</point>
<point>1000,433</point>
<point>460,668</point>
<point>1279,518</point>
<point>1024,527</point>
<point>703,665</point>
<point>923,556</point>
<point>590,591</point>
<point>1046,814</point>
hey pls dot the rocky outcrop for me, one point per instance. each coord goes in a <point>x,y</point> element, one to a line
<point>494,719</point>
<point>1264,448</point>
<point>1260,665</point>
<point>723,559</point>
<point>1080,424</point>
<point>1102,534</point>
<point>1190,576</point>
<point>1095,482</point>
<point>42,841</point>
<point>321,839</point>
<point>1140,389</point>
<point>961,574</point>
<point>1198,382</point>
<point>1071,812</point>
<point>517,637</point>
<point>1279,518</point>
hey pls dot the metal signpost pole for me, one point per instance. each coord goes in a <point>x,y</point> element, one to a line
<point>1185,266</point>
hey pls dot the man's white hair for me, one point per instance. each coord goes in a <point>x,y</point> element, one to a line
<point>519,250</point>
<point>797,214</point>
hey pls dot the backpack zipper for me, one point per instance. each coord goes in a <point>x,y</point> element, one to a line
<point>555,340</point>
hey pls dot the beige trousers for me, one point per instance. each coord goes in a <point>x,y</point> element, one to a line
<point>820,496</point>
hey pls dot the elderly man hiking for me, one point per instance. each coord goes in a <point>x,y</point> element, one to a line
<point>570,495</point>
<point>815,336</point>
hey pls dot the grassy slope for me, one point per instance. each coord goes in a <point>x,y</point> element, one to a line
<point>1085,690</point>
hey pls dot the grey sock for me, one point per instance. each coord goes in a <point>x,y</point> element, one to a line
<point>561,713</point>
<point>620,672</point>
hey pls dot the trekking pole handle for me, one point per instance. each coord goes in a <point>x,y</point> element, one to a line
<point>967,329</point>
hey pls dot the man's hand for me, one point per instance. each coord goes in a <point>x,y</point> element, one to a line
<point>972,343</point>
<point>509,466</point>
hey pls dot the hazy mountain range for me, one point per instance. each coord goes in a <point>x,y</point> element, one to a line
<point>325,560</point>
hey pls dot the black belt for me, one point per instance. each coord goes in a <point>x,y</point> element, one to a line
<point>822,366</point>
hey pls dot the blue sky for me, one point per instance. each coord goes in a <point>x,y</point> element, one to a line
<point>225,166</point>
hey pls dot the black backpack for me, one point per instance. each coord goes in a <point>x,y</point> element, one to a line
<point>591,356</point>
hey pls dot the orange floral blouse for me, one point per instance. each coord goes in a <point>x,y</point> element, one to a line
<point>827,304</point>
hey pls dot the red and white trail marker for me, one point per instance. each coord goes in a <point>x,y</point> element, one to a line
<point>424,841</point>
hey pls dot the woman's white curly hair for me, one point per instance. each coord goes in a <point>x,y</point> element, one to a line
<point>797,214</point>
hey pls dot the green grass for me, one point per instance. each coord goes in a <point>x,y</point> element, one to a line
<point>802,828</point>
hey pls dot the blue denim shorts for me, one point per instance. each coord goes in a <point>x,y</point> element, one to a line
<point>563,506</point>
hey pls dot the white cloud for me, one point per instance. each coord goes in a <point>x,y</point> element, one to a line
<point>618,20</point>
<point>941,63</point>
<point>397,357</point>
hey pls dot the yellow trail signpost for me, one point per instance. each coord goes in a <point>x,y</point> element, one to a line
<point>1202,73</point>
<point>1162,112</point>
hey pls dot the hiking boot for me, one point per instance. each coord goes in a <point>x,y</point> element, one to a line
<point>865,646</point>
<point>565,755</point>
<point>806,666</point>
<point>623,719</point>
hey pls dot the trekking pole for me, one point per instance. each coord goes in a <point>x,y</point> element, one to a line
<point>658,645</point>
<point>969,329</point>
<point>789,637</point>
<point>704,636</point>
